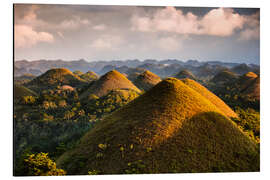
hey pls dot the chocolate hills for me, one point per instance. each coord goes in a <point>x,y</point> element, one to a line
<point>89,76</point>
<point>185,74</point>
<point>20,91</point>
<point>110,81</point>
<point>172,128</point>
<point>253,89</point>
<point>246,80</point>
<point>56,77</point>
<point>146,80</point>
<point>224,77</point>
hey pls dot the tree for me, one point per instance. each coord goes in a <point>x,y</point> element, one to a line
<point>41,165</point>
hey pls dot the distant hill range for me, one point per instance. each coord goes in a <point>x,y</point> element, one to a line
<point>163,68</point>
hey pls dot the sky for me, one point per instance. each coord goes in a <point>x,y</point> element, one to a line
<point>93,33</point>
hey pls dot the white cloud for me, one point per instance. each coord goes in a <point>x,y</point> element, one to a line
<point>74,23</point>
<point>217,22</point>
<point>100,27</point>
<point>60,34</point>
<point>25,36</point>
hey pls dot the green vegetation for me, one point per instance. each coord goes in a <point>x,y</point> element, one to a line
<point>39,165</point>
<point>89,76</point>
<point>170,128</point>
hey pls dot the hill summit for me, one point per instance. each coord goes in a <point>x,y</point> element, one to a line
<point>185,74</point>
<point>224,77</point>
<point>172,128</point>
<point>56,77</point>
<point>146,80</point>
<point>110,81</point>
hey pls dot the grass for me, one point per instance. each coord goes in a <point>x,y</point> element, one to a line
<point>224,76</point>
<point>146,80</point>
<point>20,91</point>
<point>225,109</point>
<point>172,128</point>
<point>55,77</point>
<point>185,74</point>
<point>110,81</point>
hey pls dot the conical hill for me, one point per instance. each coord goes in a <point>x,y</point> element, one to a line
<point>224,77</point>
<point>226,110</point>
<point>146,80</point>
<point>110,81</point>
<point>56,77</point>
<point>185,74</point>
<point>170,129</point>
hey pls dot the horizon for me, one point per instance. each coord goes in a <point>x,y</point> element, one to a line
<point>140,60</point>
<point>105,33</point>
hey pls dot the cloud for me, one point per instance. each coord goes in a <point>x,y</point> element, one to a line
<point>74,23</point>
<point>107,42</point>
<point>100,27</point>
<point>217,22</point>
<point>60,34</point>
<point>25,36</point>
<point>250,34</point>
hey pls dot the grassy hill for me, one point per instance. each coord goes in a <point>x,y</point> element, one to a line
<point>110,81</point>
<point>20,91</point>
<point>172,128</point>
<point>224,77</point>
<point>56,77</point>
<point>225,109</point>
<point>146,80</point>
<point>185,74</point>
<point>253,90</point>
<point>89,76</point>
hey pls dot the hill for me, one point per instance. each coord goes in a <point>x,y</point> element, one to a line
<point>20,91</point>
<point>225,109</point>
<point>253,90</point>
<point>56,77</point>
<point>110,81</point>
<point>185,74</point>
<point>89,76</point>
<point>224,77</point>
<point>246,80</point>
<point>170,129</point>
<point>146,80</point>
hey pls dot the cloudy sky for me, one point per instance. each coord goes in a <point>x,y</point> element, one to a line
<point>72,32</point>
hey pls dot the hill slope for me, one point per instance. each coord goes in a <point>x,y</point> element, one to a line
<point>146,80</point>
<point>185,74</point>
<point>20,91</point>
<point>225,109</point>
<point>224,77</point>
<point>56,77</point>
<point>171,128</point>
<point>253,90</point>
<point>110,81</point>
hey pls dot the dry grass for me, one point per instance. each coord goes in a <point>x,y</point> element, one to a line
<point>110,81</point>
<point>253,89</point>
<point>146,80</point>
<point>224,108</point>
<point>170,128</point>
<point>55,77</point>
<point>185,74</point>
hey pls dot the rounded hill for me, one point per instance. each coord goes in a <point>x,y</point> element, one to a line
<point>20,91</point>
<point>246,80</point>
<point>89,76</point>
<point>253,90</point>
<point>56,77</point>
<point>146,80</point>
<point>110,81</point>
<point>224,77</point>
<point>170,129</point>
<point>185,74</point>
